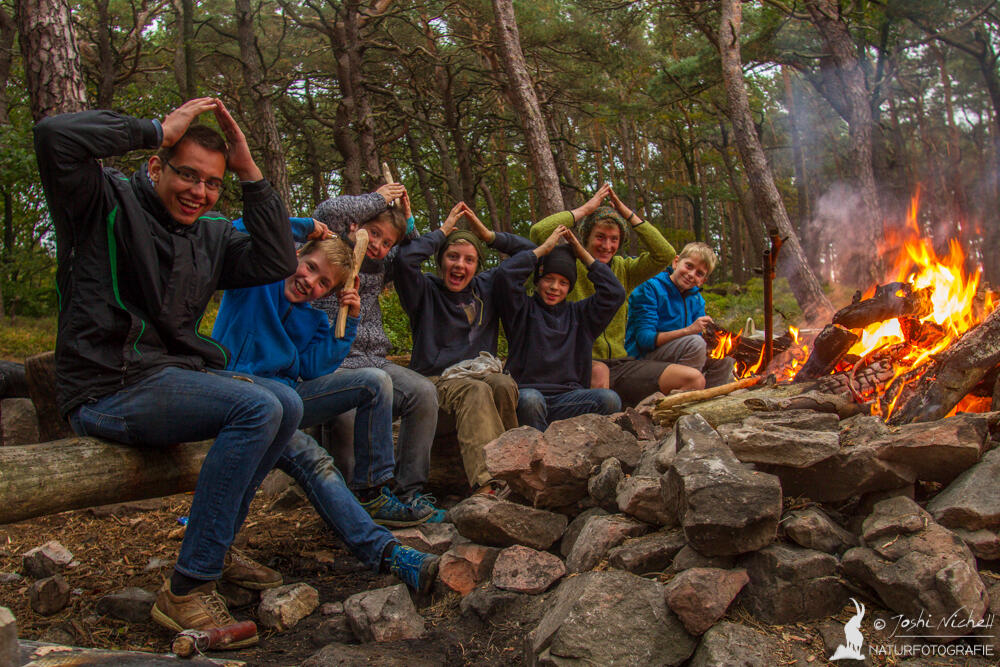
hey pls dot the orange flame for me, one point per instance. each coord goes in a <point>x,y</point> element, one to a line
<point>953,298</point>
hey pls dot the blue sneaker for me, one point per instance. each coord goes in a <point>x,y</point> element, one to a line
<point>415,568</point>
<point>388,510</point>
<point>428,502</point>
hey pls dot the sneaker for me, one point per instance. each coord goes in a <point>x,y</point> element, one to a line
<point>201,609</point>
<point>426,500</point>
<point>415,568</point>
<point>388,510</point>
<point>496,488</point>
<point>244,571</point>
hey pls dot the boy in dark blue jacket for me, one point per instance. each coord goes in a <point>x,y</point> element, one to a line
<point>550,339</point>
<point>274,333</point>
<point>665,322</point>
<point>454,318</point>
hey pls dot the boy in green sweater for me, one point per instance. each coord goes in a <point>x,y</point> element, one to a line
<point>602,230</point>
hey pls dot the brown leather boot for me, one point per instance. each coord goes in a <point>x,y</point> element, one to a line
<point>201,609</point>
<point>240,569</point>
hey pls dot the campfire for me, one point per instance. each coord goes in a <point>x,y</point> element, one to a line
<point>880,346</point>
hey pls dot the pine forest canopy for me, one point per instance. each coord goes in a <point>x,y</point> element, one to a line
<point>857,106</point>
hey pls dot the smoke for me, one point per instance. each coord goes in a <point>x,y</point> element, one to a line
<point>835,238</point>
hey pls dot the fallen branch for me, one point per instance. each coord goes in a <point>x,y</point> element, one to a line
<point>704,394</point>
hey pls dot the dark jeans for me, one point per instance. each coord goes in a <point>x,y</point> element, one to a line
<point>535,409</point>
<point>312,467</point>
<point>251,420</point>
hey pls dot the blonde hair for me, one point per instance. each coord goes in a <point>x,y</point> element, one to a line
<point>700,251</point>
<point>336,252</point>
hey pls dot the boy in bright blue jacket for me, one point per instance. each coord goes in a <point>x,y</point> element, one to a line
<point>273,332</point>
<point>666,317</point>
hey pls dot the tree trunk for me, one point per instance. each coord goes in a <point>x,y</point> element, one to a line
<point>69,474</point>
<point>264,121</point>
<point>7,32</point>
<point>51,58</point>
<point>825,15</point>
<point>433,212</point>
<point>815,306</point>
<point>525,101</point>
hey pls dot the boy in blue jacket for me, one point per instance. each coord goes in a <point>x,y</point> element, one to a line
<point>666,317</point>
<point>273,332</point>
<point>453,316</point>
<point>550,339</point>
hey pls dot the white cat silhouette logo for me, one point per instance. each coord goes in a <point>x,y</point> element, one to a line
<point>852,636</point>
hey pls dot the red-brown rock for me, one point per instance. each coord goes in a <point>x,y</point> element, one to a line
<point>465,566</point>
<point>524,570</point>
<point>701,596</point>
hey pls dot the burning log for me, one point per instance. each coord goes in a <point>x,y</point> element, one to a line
<point>870,380</point>
<point>818,401</point>
<point>951,374</point>
<point>889,301</point>
<point>830,346</point>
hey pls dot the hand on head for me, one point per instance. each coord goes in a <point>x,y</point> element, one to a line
<point>550,243</point>
<point>320,231</point>
<point>391,191</point>
<point>177,121</point>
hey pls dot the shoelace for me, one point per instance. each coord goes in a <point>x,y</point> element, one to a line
<point>217,608</point>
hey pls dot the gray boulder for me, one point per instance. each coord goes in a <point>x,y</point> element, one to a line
<point>500,523</point>
<point>724,507</point>
<point>385,614</point>
<point>789,584</point>
<point>813,529</point>
<point>649,553</point>
<point>916,566</point>
<point>972,501</point>
<point>599,535</point>
<point>613,617</point>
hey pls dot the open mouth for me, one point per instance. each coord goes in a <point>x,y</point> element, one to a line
<point>456,279</point>
<point>188,206</point>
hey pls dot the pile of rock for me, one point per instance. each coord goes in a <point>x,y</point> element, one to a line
<point>668,529</point>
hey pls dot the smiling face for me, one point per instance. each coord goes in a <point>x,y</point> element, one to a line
<point>315,277</point>
<point>184,200</point>
<point>688,272</point>
<point>553,288</point>
<point>458,265</point>
<point>603,241</point>
<point>381,237</point>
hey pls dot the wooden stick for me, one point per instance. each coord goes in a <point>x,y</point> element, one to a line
<point>360,248</point>
<point>387,175</point>
<point>703,394</point>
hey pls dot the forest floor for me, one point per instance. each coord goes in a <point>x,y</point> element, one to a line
<point>136,545</point>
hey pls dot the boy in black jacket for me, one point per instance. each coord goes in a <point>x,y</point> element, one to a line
<point>139,259</point>
<point>549,339</point>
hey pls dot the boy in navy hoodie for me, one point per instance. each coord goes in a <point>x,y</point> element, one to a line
<point>453,316</point>
<point>273,332</point>
<point>666,317</point>
<point>550,339</point>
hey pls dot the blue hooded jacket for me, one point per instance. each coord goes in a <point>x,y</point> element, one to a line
<point>271,337</point>
<point>658,305</point>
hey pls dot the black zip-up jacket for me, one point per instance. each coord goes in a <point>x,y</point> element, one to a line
<point>133,283</point>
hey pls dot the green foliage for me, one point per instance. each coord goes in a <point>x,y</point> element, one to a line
<point>731,310</point>
<point>25,336</point>
<point>395,322</point>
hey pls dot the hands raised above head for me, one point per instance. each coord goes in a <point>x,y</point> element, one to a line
<point>177,122</point>
<point>591,204</point>
<point>623,210</point>
<point>548,244</point>
<point>475,224</point>
<point>392,191</point>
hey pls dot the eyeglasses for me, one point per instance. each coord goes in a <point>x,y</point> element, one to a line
<point>191,176</point>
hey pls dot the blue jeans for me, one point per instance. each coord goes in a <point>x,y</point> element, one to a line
<point>369,390</point>
<point>534,409</point>
<point>415,402</point>
<point>312,467</point>
<point>251,419</point>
